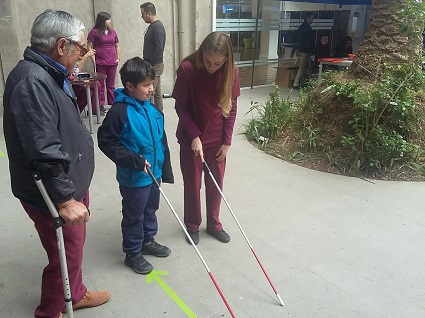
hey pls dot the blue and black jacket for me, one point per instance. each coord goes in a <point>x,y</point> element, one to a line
<point>132,132</point>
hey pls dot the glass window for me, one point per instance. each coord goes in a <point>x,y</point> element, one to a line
<point>261,42</point>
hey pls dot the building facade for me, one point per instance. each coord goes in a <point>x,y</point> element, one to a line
<point>263,32</point>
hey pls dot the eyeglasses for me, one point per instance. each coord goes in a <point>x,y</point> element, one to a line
<point>83,51</point>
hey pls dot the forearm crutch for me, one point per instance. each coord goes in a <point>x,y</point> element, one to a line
<point>243,232</point>
<point>192,243</point>
<point>57,222</point>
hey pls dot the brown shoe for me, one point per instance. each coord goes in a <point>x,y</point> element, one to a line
<point>91,299</point>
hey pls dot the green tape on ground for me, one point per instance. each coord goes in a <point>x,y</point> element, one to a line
<point>155,275</point>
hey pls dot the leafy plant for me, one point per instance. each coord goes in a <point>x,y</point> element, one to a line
<point>412,17</point>
<point>269,118</point>
<point>310,138</point>
<point>385,116</point>
<point>418,168</point>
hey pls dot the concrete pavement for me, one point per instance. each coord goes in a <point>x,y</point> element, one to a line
<point>333,246</point>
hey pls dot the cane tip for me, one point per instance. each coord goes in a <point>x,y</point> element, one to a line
<point>280,299</point>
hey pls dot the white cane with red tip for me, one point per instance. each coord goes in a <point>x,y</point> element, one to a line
<point>192,243</point>
<point>243,232</point>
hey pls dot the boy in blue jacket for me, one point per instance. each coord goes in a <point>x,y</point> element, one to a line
<point>132,135</point>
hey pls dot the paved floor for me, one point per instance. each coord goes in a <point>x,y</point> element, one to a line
<point>333,246</point>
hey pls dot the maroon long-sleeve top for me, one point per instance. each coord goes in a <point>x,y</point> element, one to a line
<point>197,96</point>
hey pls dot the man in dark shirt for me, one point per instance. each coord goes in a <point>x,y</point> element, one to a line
<point>306,39</point>
<point>153,48</point>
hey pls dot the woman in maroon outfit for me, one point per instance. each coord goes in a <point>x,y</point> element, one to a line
<point>206,91</point>
<point>105,41</point>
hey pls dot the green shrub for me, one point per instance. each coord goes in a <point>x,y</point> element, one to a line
<point>270,118</point>
<point>385,118</point>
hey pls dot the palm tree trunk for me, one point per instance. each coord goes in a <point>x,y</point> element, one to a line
<point>383,42</point>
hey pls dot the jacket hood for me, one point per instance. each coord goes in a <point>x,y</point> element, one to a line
<point>122,97</point>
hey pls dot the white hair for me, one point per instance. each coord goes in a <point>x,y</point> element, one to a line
<point>51,25</point>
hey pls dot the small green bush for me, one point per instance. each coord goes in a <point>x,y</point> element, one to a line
<point>385,118</point>
<point>270,118</point>
<point>358,128</point>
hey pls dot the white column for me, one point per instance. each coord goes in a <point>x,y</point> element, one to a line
<point>185,14</point>
<point>269,38</point>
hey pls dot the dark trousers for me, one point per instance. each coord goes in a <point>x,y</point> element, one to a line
<point>192,168</point>
<point>139,223</point>
<point>110,71</point>
<point>52,295</point>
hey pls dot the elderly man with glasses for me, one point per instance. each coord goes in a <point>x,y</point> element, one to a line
<point>43,132</point>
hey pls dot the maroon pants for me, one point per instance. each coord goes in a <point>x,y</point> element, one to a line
<point>192,168</point>
<point>81,94</point>
<point>52,294</point>
<point>110,71</point>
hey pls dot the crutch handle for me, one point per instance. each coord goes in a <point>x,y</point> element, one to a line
<point>58,221</point>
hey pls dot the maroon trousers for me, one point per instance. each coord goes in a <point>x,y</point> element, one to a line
<point>52,294</point>
<point>192,168</point>
<point>81,94</point>
<point>110,71</point>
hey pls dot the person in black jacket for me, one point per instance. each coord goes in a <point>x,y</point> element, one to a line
<point>153,49</point>
<point>322,50</point>
<point>344,48</point>
<point>44,133</point>
<point>305,46</point>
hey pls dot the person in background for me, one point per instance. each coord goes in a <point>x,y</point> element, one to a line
<point>321,50</point>
<point>153,49</point>
<point>127,138</point>
<point>80,89</point>
<point>44,133</point>
<point>206,92</point>
<point>305,48</point>
<point>105,41</point>
<point>344,48</point>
